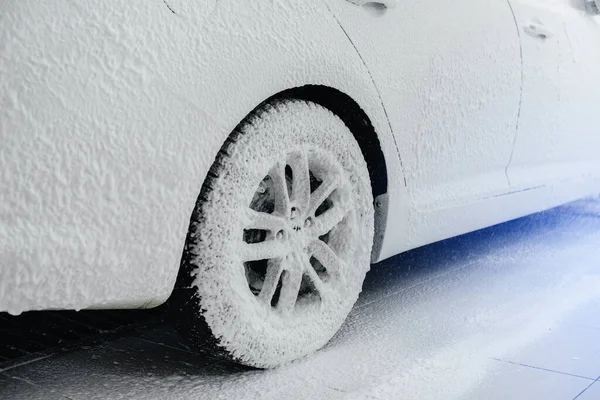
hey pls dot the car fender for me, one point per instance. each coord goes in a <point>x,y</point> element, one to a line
<point>112,114</point>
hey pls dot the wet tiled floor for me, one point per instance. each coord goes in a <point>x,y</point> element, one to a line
<point>510,312</point>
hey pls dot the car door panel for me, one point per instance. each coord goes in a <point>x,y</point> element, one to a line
<point>558,135</point>
<point>579,80</point>
<point>449,75</point>
<point>538,137</point>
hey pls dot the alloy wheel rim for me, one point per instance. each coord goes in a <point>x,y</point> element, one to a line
<point>298,230</point>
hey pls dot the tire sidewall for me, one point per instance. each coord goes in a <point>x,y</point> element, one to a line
<point>250,332</point>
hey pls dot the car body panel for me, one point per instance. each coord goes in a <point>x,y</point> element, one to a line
<point>559,130</point>
<point>111,116</point>
<point>460,83</point>
<point>454,124</point>
<point>113,112</point>
<point>433,63</point>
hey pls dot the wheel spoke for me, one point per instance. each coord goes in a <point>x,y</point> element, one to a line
<point>315,278</point>
<point>264,221</point>
<point>282,199</point>
<point>329,219</point>
<point>274,269</point>
<point>263,250</point>
<point>290,287</point>
<point>322,252</point>
<point>320,195</point>
<point>301,180</point>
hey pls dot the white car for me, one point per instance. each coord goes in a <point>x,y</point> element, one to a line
<point>248,160</point>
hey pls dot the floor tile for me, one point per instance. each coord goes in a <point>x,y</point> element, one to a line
<point>592,393</point>
<point>506,381</point>
<point>586,317</point>
<point>567,348</point>
<point>14,387</point>
<point>99,368</point>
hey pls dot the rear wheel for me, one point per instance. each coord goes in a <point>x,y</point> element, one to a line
<point>280,240</point>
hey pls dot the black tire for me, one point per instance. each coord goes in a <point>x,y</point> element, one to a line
<point>264,297</point>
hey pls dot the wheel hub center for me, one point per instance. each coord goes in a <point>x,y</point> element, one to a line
<point>293,217</point>
<point>298,238</point>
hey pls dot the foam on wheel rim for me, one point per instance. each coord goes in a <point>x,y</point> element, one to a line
<point>280,239</point>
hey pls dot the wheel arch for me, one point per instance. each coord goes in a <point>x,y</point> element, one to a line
<point>355,118</point>
<point>359,123</point>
